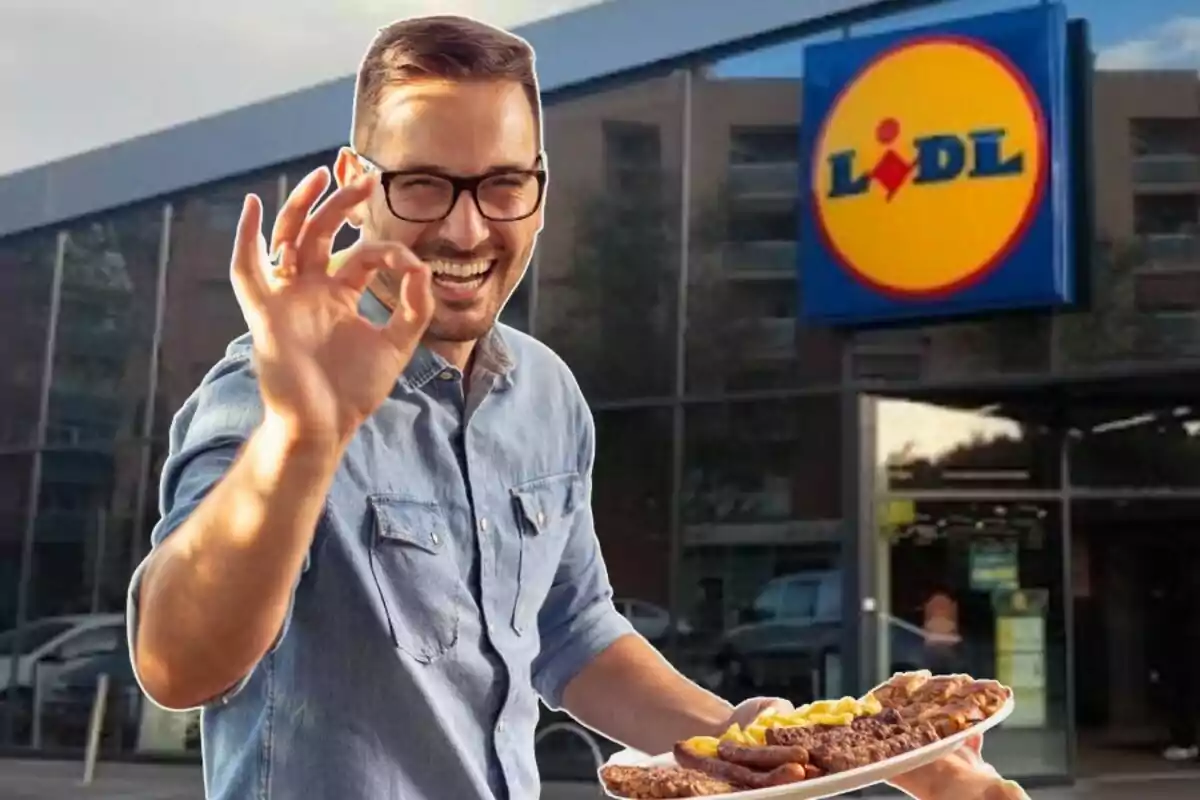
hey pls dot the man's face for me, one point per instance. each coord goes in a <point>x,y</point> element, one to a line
<point>460,130</point>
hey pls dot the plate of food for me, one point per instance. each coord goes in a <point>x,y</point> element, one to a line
<point>823,749</point>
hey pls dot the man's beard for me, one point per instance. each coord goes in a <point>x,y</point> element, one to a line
<point>457,329</point>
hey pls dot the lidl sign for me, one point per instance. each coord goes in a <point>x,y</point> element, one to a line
<point>938,174</point>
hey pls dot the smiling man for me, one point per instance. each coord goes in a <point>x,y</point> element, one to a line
<point>377,548</point>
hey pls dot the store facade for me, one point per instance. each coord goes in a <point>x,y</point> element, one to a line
<point>778,502</point>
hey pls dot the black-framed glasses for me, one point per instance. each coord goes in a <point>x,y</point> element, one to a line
<point>427,195</point>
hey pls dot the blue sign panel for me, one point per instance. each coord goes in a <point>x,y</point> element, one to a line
<point>937,171</point>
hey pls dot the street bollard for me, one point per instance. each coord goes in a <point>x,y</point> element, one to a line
<point>95,729</point>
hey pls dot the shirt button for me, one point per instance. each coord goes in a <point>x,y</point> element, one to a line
<point>433,537</point>
<point>541,518</point>
<point>499,727</point>
<point>446,375</point>
<point>483,524</point>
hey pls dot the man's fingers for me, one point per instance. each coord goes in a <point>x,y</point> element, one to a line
<point>776,705</point>
<point>362,260</point>
<point>246,266</point>
<point>316,236</point>
<point>414,309</point>
<point>290,219</point>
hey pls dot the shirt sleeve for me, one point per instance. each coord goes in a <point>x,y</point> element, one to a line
<point>578,620</point>
<point>206,436</point>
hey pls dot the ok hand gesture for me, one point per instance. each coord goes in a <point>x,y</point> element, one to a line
<point>323,368</point>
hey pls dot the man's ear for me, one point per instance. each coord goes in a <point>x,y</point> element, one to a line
<point>347,169</point>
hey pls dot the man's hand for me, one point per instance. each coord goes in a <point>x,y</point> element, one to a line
<point>962,775</point>
<point>749,710</point>
<point>322,368</point>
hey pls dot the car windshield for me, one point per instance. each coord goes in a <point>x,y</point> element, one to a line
<point>33,636</point>
<point>117,665</point>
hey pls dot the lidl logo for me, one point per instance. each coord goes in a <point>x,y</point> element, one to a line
<point>953,171</point>
<point>929,171</point>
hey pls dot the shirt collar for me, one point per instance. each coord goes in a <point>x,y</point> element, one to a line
<point>492,356</point>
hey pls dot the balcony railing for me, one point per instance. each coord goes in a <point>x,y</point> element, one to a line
<point>765,180</point>
<point>1166,169</point>
<point>1172,249</point>
<point>766,259</point>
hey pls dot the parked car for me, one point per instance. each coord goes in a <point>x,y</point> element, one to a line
<point>789,640</point>
<point>650,620</point>
<point>62,641</point>
<point>52,644</point>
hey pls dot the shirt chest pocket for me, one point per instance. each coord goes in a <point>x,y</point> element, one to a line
<point>545,512</point>
<point>416,574</point>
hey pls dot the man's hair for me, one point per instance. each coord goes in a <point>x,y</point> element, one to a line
<point>440,48</point>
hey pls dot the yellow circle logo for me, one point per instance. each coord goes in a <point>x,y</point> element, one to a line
<point>930,166</point>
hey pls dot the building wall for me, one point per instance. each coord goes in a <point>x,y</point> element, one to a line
<point>643,199</point>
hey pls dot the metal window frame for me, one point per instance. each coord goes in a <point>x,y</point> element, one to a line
<point>33,500</point>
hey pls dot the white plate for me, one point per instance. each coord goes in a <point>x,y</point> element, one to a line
<point>840,782</point>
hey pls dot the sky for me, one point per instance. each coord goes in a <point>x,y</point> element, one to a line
<point>1126,34</point>
<point>80,74</point>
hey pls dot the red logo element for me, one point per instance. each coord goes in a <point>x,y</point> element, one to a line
<point>891,171</point>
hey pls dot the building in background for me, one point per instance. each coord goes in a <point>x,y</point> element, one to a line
<point>758,481</point>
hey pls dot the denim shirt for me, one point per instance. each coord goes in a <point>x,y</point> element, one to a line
<point>454,577</point>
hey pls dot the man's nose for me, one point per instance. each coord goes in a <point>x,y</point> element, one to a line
<point>465,227</point>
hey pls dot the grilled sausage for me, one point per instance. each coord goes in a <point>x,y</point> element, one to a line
<point>762,758</point>
<point>688,758</point>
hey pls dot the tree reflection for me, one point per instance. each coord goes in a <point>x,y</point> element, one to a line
<point>624,273</point>
<point>100,384</point>
<point>1112,326</point>
<point>26,273</point>
<point>1131,449</point>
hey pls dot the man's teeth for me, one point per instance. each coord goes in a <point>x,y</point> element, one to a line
<point>467,285</point>
<point>459,269</point>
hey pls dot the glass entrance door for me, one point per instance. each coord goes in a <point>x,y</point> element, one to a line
<point>975,586</point>
<point>967,539</point>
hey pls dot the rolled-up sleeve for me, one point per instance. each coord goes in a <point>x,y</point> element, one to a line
<point>206,436</point>
<point>578,620</point>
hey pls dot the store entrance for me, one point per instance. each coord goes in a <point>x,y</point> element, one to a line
<point>1135,596</point>
<point>1057,530</point>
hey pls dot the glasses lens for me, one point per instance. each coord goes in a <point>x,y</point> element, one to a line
<point>508,196</point>
<point>420,197</point>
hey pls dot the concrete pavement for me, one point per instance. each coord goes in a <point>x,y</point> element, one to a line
<point>57,780</point>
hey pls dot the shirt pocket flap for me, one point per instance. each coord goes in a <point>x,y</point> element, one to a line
<point>546,502</point>
<point>410,522</point>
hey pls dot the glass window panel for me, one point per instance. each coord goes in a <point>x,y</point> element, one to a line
<point>105,328</point>
<point>14,496</point>
<point>760,579</point>
<point>26,281</point>
<point>202,316</point>
<point>1131,435</point>
<point>15,475</point>
<point>985,442</point>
